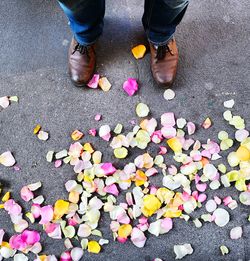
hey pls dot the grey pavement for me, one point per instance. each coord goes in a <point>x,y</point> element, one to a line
<point>214,66</point>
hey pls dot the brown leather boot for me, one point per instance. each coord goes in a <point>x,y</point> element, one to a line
<point>164,60</point>
<point>82,60</point>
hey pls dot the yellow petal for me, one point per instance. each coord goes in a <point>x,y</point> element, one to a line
<point>243,153</point>
<point>175,144</point>
<point>104,84</point>
<point>76,135</point>
<point>94,247</point>
<point>61,208</point>
<point>88,147</point>
<point>172,213</point>
<point>6,197</point>
<point>150,205</point>
<point>124,230</point>
<point>37,129</point>
<point>140,178</point>
<point>139,51</point>
<point>74,197</point>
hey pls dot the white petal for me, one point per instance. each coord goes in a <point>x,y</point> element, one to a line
<point>221,217</point>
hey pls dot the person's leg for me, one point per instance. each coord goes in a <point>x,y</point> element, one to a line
<point>85,17</point>
<point>86,22</point>
<point>160,20</point>
<point>161,17</point>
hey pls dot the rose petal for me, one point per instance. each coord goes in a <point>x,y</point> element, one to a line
<point>93,83</point>
<point>130,86</point>
<point>221,217</point>
<point>26,194</point>
<point>7,159</point>
<point>142,110</point>
<point>236,233</point>
<point>169,94</point>
<point>104,84</point>
<point>182,250</point>
<point>46,214</point>
<point>4,102</point>
<point>138,238</point>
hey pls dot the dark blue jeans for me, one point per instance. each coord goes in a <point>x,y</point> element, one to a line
<point>160,19</point>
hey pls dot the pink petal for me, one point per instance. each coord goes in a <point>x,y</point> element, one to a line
<point>227,200</point>
<point>16,242</point>
<point>122,239</point>
<point>166,225</point>
<point>1,236</point>
<point>30,237</point>
<point>7,159</point>
<point>65,256</point>
<point>47,213</point>
<point>93,83</point>
<point>130,86</point>
<point>98,117</point>
<point>202,198</point>
<point>75,150</point>
<point>36,210</point>
<point>150,172</point>
<point>26,194</point>
<point>112,189</point>
<point>168,132</point>
<point>138,238</point>
<point>108,168</point>
<point>4,102</point>
<point>163,150</point>
<point>12,207</point>
<point>201,187</point>
<point>53,230</point>
<point>168,119</point>
<point>123,218</point>
<point>92,132</point>
<point>156,137</point>
<point>58,163</point>
<point>191,128</point>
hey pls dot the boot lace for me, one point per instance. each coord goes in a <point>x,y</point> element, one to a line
<point>161,51</point>
<point>81,49</point>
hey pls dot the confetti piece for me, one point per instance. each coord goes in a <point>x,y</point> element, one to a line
<point>130,86</point>
<point>104,84</point>
<point>139,51</point>
<point>169,94</point>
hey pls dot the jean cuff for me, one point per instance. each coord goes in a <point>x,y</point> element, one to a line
<point>83,42</point>
<point>161,43</point>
